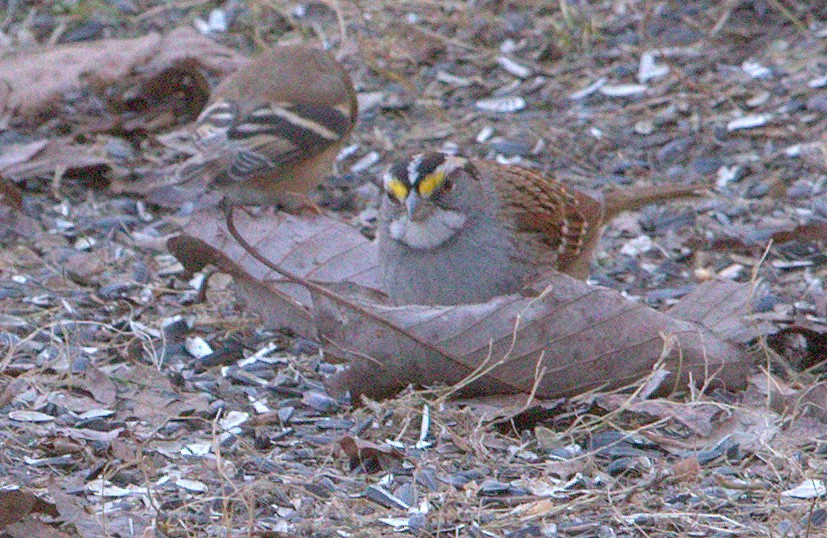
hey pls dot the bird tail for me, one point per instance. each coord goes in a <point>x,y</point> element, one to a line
<point>171,185</point>
<point>631,199</point>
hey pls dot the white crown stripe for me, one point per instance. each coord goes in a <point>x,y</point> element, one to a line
<point>413,168</point>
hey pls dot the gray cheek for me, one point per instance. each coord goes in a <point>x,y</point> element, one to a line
<point>388,211</point>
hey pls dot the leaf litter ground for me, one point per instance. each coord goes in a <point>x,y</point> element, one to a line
<point>127,405</point>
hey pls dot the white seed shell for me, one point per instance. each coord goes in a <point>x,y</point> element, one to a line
<point>502,105</point>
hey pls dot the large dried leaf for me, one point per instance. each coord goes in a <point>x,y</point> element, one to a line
<point>10,196</point>
<point>318,248</point>
<point>14,154</point>
<point>571,339</point>
<point>370,456</point>
<point>36,80</point>
<point>723,307</point>
<point>60,69</point>
<point>155,401</point>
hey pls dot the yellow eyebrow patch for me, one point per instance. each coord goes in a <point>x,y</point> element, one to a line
<point>398,189</point>
<point>430,182</point>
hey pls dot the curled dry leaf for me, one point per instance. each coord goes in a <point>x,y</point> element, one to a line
<point>687,469</point>
<point>511,411</point>
<point>100,386</point>
<point>409,45</point>
<point>739,237</point>
<point>154,399</point>
<point>38,79</point>
<point>172,96</point>
<point>10,196</point>
<point>71,510</point>
<point>14,154</point>
<point>811,401</point>
<point>570,338</point>
<point>186,43</point>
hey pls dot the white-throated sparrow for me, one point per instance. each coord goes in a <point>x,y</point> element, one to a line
<point>269,133</point>
<point>455,230</point>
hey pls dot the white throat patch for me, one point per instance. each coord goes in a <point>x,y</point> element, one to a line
<point>438,228</point>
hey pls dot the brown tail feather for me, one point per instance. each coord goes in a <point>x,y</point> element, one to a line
<point>630,199</point>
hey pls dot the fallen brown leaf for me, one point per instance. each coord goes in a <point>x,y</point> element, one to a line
<point>751,428</point>
<point>154,400</point>
<point>38,79</point>
<point>16,504</point>
<point>571,339</point>
<point>813,400</point>
<point>174,96</point>
<point>14,154</point>
<point>71,510</point>
<point>11,389</point>
<point>510,410</point>
<point>13,220</point>
<point>723,307</point>
<point>319,248</point>
<point>741,237</point>
<point>100,386</point>
<point>10,196</point>
<point>33,527</point>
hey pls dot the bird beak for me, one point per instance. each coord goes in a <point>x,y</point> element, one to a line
<point>412,203</point>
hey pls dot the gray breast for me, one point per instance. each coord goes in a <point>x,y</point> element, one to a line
<point>477,264</point>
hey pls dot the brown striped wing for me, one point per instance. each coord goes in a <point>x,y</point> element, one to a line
<point>273,135</point>
<point>567,219</point>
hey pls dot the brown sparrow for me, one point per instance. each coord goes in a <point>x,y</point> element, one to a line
<point>454,230</point>
<point>269,134</point>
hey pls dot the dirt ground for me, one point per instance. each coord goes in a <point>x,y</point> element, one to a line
<point>131,407</point>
